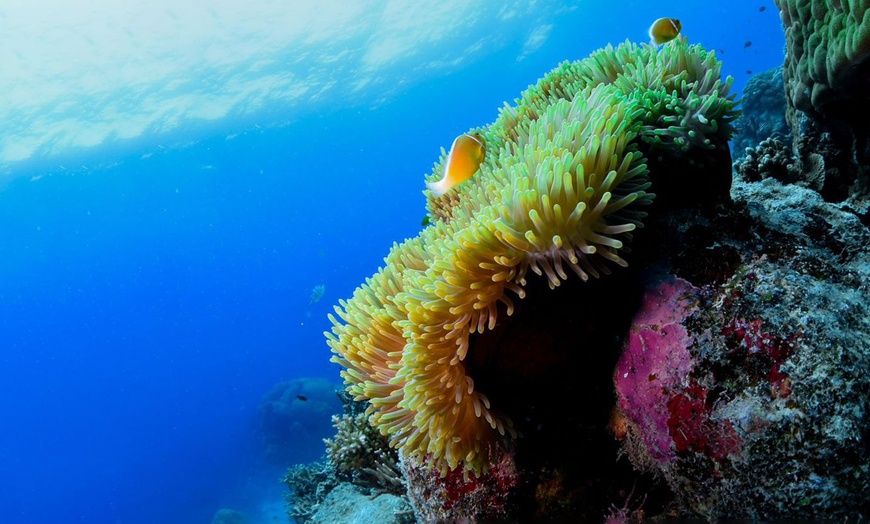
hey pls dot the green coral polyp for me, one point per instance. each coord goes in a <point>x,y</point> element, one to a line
<point>559,193</point>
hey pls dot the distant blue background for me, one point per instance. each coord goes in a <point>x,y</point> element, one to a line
<point>153,289</point>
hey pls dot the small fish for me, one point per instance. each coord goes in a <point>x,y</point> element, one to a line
<point>747,44</point>
<point>427,220</point>
<point>463,161</point>
<point>316,294</point>
<point>664,30</point>
<point>761,9</point>
<point>749,71</point>
<point>303,398</point>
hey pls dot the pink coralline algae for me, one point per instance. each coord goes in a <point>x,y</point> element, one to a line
<point>669,410</point>
<point>655,363</point>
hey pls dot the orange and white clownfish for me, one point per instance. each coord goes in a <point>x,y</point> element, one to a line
<point>463,161</point>
<point>664,30</point>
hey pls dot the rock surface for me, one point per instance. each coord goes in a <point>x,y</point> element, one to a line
<point>765,413</point>
<point>348,504</point>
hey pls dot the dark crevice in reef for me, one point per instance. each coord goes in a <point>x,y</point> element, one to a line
<point>674,177</point>
<point>549,367</point>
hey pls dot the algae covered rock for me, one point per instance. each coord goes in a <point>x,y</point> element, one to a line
<point>347,504</point>
<point>743,382</point>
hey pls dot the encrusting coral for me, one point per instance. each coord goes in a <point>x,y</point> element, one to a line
<point>559,193</point>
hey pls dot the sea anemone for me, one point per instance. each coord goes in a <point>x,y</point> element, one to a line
<point>559,193</point>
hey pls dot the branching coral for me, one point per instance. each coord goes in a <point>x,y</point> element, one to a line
<point>309,484</point>
<point>559,193</point>
<point>769,159</point>
<point>360,452</point>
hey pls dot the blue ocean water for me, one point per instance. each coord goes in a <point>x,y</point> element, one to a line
<point>174,183</point>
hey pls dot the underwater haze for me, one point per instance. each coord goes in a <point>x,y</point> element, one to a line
<point>186,188</point>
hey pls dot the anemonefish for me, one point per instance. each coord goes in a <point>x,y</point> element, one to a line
<point>463,161</point>
<point>664,30</point>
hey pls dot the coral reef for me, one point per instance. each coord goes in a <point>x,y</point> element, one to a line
<point>726,350</point>
<point>772,159</point>
<point>295,417</point>
<point>763,104</point>
<point>744,384</point>
<point>363,456</point>
<point>827,48</point>
<point>559,193</point>
<point>309,485</point>
<point>360,465</point>
<point>827,77</point>
<point>229,516</point>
